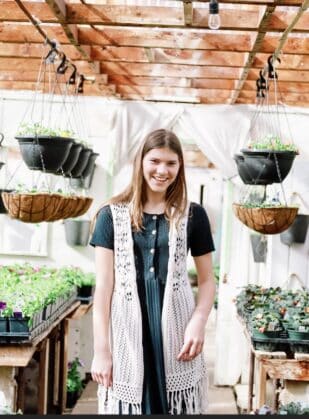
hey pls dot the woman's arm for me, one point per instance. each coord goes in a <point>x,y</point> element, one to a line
<point>101,368</point>
<point>195,331</point>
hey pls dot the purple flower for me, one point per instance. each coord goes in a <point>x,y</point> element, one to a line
<point>2,305</point>
<point>18,314</point>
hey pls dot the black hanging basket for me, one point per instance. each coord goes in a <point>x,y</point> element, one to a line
<point>90,165</point>
<point>81,163</point>
<point>259,247</point>
<point>83,182</point>
<point>44,152</point>
<point>77,232</point>
<point>71,160</point>
<point>263,167</point>
<point>297,232</point>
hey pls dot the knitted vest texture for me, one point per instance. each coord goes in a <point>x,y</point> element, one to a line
<point>186,382</point>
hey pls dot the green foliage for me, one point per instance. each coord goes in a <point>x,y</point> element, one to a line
<point>272,142</point>
<point>39,129</point>
<point>74,379</point>
<point>294,408</point>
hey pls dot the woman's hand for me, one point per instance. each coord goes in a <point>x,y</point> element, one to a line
<point>193,339</point>
<point>102,369</point>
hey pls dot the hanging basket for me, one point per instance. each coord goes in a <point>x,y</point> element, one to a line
<point>81,163</point>
<point>90,165</point>
<point>297,232</point>
<point>263,167</point>
<point>31,208</point>
<point>71,160</point>
<point>269,220</point>
<point>77,232</point>
<point>82,206</point>
<point>44,152</point>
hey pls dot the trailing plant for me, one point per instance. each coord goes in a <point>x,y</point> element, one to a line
<point>38,129</point>
<point>265,320</point>
<point>273,143</point>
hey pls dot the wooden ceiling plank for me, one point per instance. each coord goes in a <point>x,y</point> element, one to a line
<point>197,39</point>
<point>292,62</point>
<point>160,55</point>
<point>172,70</point>
<point>294,43</point>
<point>20,33</point>
<point>281,19</point>
<point>283,86</point>
<point>240,17</point>
<point>284,75</point>
<point>150,81</point>
<point>98,14</point>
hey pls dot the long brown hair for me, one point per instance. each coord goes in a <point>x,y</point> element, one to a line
<point>134,194</point>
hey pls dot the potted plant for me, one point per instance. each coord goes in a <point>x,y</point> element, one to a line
<point>265,161</point>
<point>44,148</point>
<point>265,325</point>
<point>74,383</point>
<point>297,231</point>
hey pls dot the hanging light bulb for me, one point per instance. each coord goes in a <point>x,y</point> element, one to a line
<point>213,17</point>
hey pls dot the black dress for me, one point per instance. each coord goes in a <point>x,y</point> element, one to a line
<point>151,260</point>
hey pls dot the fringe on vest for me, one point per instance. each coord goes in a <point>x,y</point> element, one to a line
<point>192,401</point>
<point>110,405</point>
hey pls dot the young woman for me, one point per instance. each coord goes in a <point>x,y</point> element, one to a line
<point>148,331</point>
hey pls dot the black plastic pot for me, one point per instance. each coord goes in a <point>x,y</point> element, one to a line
<point>259,247</point>
<point>72,397</point>
<point>297,232</point>
<point>84,291</point>
<point>44,152</point>
<point>81,163</point>
<point>83,182</point>
<point>77,232</point>
<point>90,165</point>
<point>263,167</point>
<point>71,160</point>
<point>2,207</point>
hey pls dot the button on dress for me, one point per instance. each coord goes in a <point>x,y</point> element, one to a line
<point>151,260</point>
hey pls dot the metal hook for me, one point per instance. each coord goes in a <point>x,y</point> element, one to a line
<point>50,57</point>
<point>263,83</point>
<point>271,72</point>
<point>72,78</point>
<point>62,68</point>
<point>80,87</point>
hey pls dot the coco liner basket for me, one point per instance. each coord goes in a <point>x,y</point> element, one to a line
<point>268,220</point>
<point>31,208</point>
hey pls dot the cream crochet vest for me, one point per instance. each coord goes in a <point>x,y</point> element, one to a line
<point>186,382</point>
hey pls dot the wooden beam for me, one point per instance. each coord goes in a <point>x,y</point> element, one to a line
<point>261,33</point>
<point>188,12</point>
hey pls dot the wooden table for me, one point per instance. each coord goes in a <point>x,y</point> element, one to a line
<point>52,348</point>
<point>275,365</point>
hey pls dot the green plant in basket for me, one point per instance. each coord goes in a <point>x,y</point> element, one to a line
<point>38,129</point>
<point>74,380</point>
<point>272,142</point>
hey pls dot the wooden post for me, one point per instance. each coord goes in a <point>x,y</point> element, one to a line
<point>251,380</point>
<point>43,377</point>
<point>63,367</point>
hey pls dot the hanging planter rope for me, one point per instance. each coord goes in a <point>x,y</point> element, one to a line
<point>271,220</point>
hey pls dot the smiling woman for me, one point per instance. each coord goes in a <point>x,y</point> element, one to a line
<point>142,238</point>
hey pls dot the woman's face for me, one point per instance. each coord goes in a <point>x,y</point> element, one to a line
<point>160,169</point>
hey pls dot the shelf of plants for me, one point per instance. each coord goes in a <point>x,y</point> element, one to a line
<point>275,319</point>
<point>32,298</point>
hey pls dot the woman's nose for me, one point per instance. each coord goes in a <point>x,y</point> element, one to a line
<point>162,169</point>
